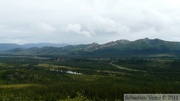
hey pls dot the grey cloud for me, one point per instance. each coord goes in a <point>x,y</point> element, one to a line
<point>43,28</point>
<point>77,29</point>
<point>24,21</point>
<point>107,25</point>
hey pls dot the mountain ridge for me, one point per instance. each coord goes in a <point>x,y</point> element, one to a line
<point>118,48</point>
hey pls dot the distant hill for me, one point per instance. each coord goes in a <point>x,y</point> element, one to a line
<point>119,48</point>
<point>40,45</point>
<point>10,46</point>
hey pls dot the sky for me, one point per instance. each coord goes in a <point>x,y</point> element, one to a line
<point>87,21</point>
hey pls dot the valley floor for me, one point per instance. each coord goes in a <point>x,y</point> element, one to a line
<point>76,79</point>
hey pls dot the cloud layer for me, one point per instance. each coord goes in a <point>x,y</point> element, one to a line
<point>86,21</point>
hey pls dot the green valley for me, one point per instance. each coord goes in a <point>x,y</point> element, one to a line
<point>85,79</point>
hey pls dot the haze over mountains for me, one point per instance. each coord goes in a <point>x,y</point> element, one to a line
<point>9,46</point>
<point>119,48</point>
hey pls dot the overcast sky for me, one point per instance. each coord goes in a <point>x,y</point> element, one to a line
<point>86,21</point>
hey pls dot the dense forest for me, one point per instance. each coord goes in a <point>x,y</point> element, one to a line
<point>85,79</point>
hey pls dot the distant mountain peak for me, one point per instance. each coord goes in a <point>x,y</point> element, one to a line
<point>146,38</point>
<point>114,43</point>
<point>94,43</point>
<point>122,41</point>
<point>92,47</point>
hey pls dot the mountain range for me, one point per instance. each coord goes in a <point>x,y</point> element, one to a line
<point>119,48</point>
<point>9,46</point>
